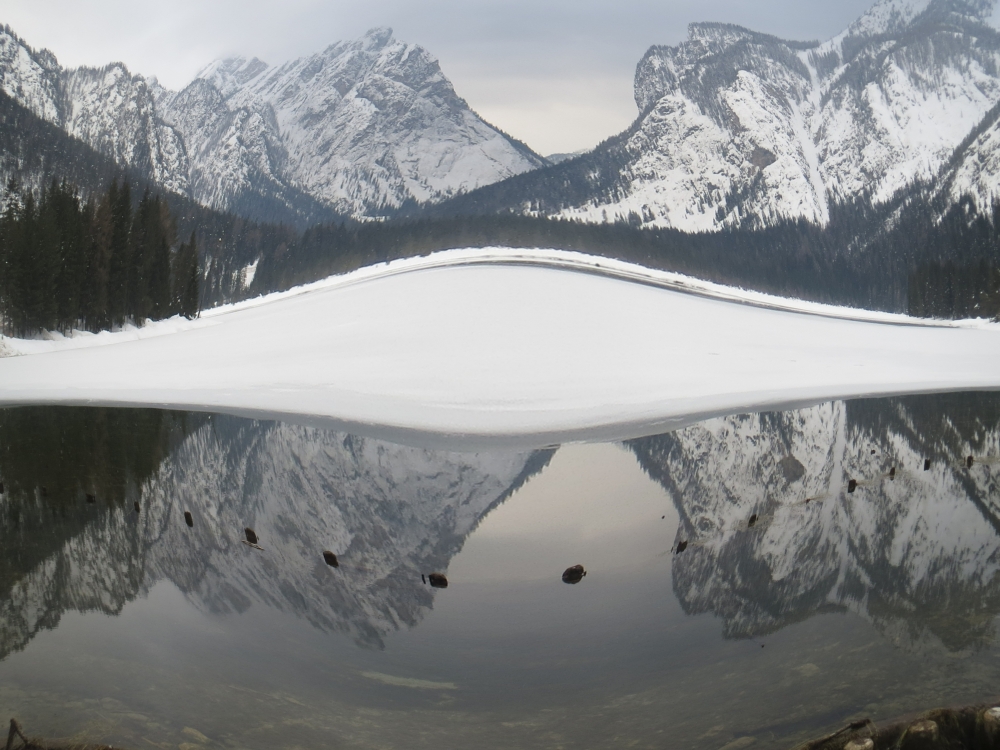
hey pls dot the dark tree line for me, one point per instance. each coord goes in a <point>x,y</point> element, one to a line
<point>955,290</point>
<point>896,256</point>
<point>794,258</point>
<point>67,263</point>
<point>956,273</point>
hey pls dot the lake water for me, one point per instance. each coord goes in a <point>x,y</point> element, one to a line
<point>135,629</point>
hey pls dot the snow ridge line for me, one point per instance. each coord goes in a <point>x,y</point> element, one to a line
<point>565,260</point>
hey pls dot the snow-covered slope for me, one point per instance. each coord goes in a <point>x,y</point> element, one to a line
<point>738,128</point>
<point>900,551</point>
<point>973,172</point>
<point>364,126</point>
<point>515,347</point>
<point>108,108</point>
<point>359,129</point>
<point>390,513</point>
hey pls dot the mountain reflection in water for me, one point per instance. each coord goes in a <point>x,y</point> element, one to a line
<point>873,602</point>
<point>391,512</point>
<point>916,552</point>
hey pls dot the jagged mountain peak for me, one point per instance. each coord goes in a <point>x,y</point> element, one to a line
<point>742,129</point>
<point>365,126</point>
<point>361,128</point>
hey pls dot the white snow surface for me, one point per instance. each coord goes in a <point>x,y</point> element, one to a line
<point>498,346</point>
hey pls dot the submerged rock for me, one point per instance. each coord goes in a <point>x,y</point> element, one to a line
<point>969,461</point>
<point>681,546</point>
<point>752,521</point>
<point>331,559</point>
<point>188,519</point>
<point>251,535</point>
<point>91,499</point>
<point>438,580</point>
<point>136,504</point>
<point>927,464</point>
<point>852,485</point>
<point>573,574</point>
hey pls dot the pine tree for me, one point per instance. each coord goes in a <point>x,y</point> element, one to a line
<point>186,278</point>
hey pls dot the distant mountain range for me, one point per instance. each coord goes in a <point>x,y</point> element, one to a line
<point>742,129</point>
<point>359,130</point>
<point>737,129</point>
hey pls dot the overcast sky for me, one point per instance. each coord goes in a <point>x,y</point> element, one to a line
<point>554,73</point>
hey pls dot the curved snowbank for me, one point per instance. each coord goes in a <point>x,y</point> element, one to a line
<point>470,347</point>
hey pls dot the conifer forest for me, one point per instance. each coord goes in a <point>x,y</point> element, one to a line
<point>68,263</point>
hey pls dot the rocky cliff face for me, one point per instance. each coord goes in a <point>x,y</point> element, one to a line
<point>359,129</point>
<point>108,108</point>
<point>365,126</point>
<point>741,129</point>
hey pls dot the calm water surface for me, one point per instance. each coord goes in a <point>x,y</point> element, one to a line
<point>132,628</point>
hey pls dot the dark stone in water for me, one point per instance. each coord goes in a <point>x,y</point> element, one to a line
<point>852,485</point>
<point>423,578</point>
<point>791,469</point>
<point>136,506</point>
<point>1,488</point>
<point>681,546</point>
<point>331,559</point>
<point>873,451</point>
<point>188,518</point>
<point>892,473</point>
<point>251,535</point>
<point>969,461</point>
<point>752,521</point>
<point>437,580</point>
<point>927,464</point>
<point>573,574</point>
<point>91,499</point>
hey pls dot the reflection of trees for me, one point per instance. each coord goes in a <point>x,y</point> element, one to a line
<point>50,459</point>
<point>919,555</point>
<point>390,512</point>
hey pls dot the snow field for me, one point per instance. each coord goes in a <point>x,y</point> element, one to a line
<point>470,348</point>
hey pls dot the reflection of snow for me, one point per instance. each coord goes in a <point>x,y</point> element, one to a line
<point>508,348</point>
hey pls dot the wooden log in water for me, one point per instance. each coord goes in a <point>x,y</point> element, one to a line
<point>969,728</point>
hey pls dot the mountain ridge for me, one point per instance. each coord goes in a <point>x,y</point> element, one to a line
<point>359,129</point>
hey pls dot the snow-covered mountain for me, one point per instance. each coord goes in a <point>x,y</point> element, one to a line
<point>108,108</point>
<point>901,551</point>
<point>739,128</point>
<point>389,512</point>
<point>359,129</point>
